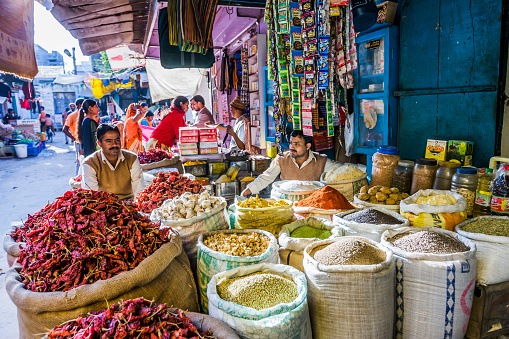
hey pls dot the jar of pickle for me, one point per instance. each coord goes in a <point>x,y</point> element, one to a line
<point>403,176</point>
<point>464,182</point>
<point>423,177</point>
<point>385,161</point>
<point>444,175</point>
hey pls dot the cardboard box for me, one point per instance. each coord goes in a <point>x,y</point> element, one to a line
<point>208,131</point>
<point>189,139</point>
<point>187,145</point>
<point>188,132</point>
<point>193,151</point>
<point>460,151</point>
<point>208,138</point>
<point>436,149</point>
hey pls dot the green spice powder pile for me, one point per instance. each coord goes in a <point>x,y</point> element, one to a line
<point>310,232</point>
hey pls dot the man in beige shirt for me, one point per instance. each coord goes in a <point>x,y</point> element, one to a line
<point>299,163</point>
<point>112,169</point>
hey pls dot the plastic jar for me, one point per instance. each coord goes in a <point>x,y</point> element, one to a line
<point>464,182</point>
<point>403,176</point>
<point>445,172</point>
<point>423,177</point>
<point>385,161</point>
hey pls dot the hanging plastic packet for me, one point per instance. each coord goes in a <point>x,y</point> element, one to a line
<point>296,39</point>
<point>323,45</point>
<point>323,80</point>
<point>323,63</point>
<point>295,14</point>
<point>309,65</point>
<point>306,7</point>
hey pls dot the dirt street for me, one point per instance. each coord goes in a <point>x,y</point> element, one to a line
<point>26,185</point>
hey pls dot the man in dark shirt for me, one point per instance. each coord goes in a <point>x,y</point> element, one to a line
<point>9,116</point>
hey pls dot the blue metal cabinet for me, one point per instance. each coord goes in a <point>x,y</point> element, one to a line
<point>376,79</point>
<point>270,126</point>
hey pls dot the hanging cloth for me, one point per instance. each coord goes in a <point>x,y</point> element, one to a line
<point>224,76</point>
<point>28,90</point>
<point>195,19</point>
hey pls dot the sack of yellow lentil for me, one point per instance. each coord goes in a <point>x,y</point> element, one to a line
<point>444,214</point>
<point>288,318</point>
<point>491,237</point>
<point>294,238</point>
<point>265,214</point>
<point>261,244</point>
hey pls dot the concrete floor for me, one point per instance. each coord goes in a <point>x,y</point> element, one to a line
<point>26,186</point>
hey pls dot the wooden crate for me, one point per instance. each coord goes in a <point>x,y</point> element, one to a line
<point>490,312</point>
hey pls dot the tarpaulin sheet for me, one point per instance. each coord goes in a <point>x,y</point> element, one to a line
<point>147,132</point>
<point>17,56</point>
<point>168,83</point>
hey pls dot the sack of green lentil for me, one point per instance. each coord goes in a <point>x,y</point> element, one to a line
<point>491,237</point>
<point>350,288</point>
<point>435,281</point>
<point>294,238</point>
<point>191,229</point>
<point>261,301</point>
<point>164,276</point>
<point>370,222</point>
<point>220,251</point>
<point>270,219</point>
<point>441,213</point>
<point>11,247</point>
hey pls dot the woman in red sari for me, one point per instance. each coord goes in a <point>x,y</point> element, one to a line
<point>133,135</point>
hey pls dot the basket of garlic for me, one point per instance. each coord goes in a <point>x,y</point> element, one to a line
<point>191,215</point>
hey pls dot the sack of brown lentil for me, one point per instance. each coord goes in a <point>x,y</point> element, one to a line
<point>164,276</point>
<point>220,251</point>
<point>261,301</point>
<point>294,238</point>
<point>434,208</point>
<point>435,281</point>
<point>191,229</point>
<point>11,247</point>
<point>370,222</point>
<point>491,237</point>
<point>350,288</point>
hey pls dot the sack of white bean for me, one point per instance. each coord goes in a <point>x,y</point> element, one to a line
<point>435,281</point>
<point>220,251</point>
<point>444,209</point>
<point>261,301</point>
<point>491,236</point>
<point>294,238</point>
<point>370,222</point>
<point>350,288</point>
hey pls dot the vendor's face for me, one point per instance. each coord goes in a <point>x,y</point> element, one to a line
<point>110,144</point>
<point>298,147</point>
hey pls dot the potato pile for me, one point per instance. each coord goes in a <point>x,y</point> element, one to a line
<point>381,195</point>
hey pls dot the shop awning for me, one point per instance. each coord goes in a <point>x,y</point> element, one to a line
<point>103,24</point>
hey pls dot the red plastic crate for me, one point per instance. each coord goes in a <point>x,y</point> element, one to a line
<point>190,139</point>
<point>208,138</point>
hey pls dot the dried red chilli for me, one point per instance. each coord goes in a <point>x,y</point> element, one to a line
<point>165,186</point>
<point>154,155</point>
<point>82,237</point>
<point>136,318</point>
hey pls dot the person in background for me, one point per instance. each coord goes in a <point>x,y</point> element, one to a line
<point>87,125</point>
<point>299,163</point>
<point>5,131</point>
<point>112,169</point>
<point>42,118</point>
<point>147,121</point>
<point>9,116</point>
<point>72,106</point>
<point>71,130</point>
<point>49,124</point>
<point>167,131</point>
<point>203,115</point>
<point>238,131</point>
<point>64,118</point>
<point>133,136</point>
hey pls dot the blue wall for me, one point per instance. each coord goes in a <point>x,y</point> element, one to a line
<point>449,69</point>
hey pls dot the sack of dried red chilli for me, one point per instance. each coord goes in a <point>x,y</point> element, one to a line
<point>91,250</point>
<point>143,319</point>
<point>157,158</point>
<point>165,186</point>
<point>11,247</point>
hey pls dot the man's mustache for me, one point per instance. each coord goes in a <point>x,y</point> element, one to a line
<point>114,148</point>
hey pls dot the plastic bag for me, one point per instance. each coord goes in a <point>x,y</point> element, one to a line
<point>371,231</point>
<point>283,321</point>
<point>270,219</point>
<point>442,216</point>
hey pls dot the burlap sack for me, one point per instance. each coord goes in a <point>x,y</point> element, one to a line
<point>163,163</point>
<point>164,277</point>
<point>206,322</point>
<point>11,247</point>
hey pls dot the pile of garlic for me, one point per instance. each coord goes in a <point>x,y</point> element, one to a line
<point>187,206</point>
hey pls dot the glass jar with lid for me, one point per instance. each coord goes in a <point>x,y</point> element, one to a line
<point>403,176</point>
<point>423,177</point>
<point>444,175</point>
<point>385,161</point>
<point>464,182</point>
